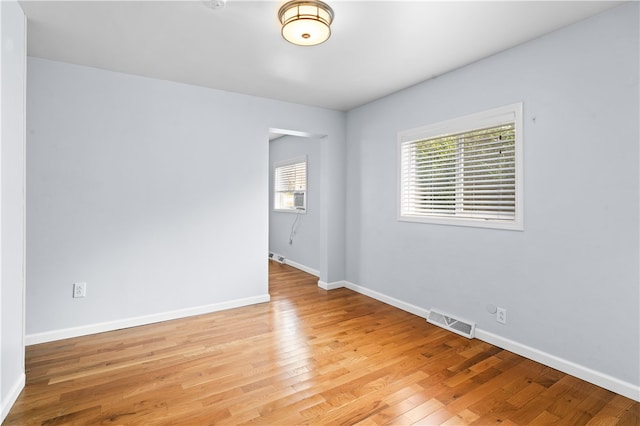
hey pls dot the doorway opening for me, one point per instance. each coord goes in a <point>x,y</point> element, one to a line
<point>295,176</point>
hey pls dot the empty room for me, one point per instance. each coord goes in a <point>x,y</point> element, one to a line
<point>320,212</point>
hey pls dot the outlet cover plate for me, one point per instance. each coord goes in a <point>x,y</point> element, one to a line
<point>79,290</point>
<point>501,315</point>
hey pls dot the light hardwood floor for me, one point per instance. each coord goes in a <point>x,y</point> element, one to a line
<point>307,357</point>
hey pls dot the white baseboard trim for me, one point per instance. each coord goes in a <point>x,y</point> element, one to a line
<point>408,307</point>
<point>302,267</point>
<point>331,286</point>
<point>50,336</point>
<point>613,384</point>
<point>11,396</point>
<point>597,378</point>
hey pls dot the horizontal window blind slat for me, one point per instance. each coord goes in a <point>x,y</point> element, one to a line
<point>493,164</point>
<point>452,194</point>
<point>443,214</point>
<point>480,206</point>
<point>470,176</point>
<point>488,199</point>
<point>433,161</point>
<point>495,181</point>
<point>426,151</point>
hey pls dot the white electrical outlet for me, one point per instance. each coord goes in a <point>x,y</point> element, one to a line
<point>501,315</point>
<point>79,289</point>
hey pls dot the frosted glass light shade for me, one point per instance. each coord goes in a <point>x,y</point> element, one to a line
<point>306,23</point>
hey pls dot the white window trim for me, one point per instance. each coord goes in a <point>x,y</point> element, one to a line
<point>302,159</point>
<point>471,122</point>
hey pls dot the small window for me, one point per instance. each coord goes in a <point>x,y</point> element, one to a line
<point>290,185</point>
<point>466,171</point>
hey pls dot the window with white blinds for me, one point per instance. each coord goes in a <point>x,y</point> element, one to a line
<point>466,171</point>
<point>290,185</point>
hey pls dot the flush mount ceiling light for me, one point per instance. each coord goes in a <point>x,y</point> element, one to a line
<point>306,22</point>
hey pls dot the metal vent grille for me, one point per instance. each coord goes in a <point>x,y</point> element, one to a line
<point>457,325</point>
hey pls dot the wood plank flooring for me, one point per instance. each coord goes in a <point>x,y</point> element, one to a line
<point>307,357</point>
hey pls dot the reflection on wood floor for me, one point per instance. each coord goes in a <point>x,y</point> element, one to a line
<point>307,357</point>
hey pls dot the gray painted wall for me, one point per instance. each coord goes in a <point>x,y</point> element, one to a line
<point>12,88</point>
<point>153,193</point>
<point>305,249</point>
<point>569,282</point>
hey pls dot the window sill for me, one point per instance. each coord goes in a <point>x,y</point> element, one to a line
<point>296,211</point>
<point>473,223</point>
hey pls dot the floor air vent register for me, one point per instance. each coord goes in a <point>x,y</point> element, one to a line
<point>459,326</point>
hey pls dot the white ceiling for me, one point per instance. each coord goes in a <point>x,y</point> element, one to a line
<point>376,47</point>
